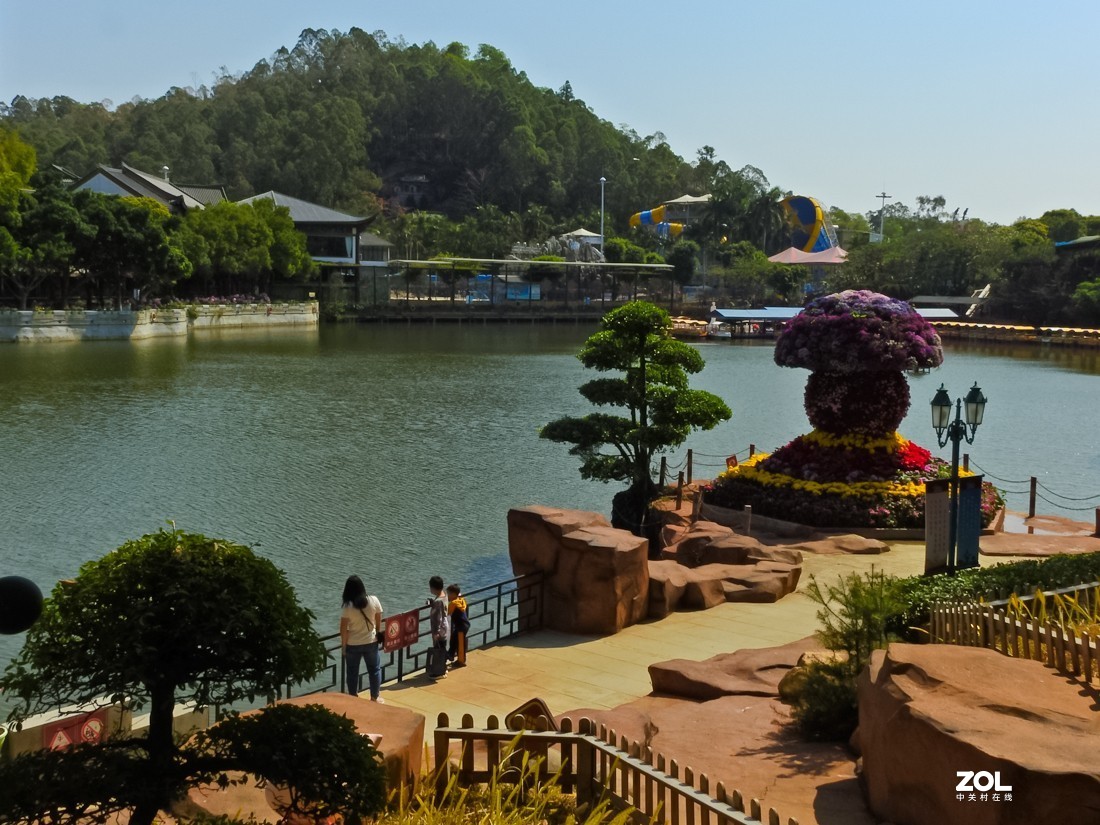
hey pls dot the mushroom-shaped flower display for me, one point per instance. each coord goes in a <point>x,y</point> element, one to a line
<point>858,331</point>
<point>854,469</point>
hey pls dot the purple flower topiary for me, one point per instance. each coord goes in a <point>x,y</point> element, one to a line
<point>858,331</point>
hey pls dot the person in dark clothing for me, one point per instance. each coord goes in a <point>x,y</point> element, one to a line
<point>460,626</point>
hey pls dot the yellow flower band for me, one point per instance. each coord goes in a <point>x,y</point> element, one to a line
<point>852,441</point>
<point>857,489</point>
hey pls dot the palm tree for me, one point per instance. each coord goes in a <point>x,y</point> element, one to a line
<point>766,218</point>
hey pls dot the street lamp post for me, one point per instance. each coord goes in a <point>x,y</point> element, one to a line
<point>603,181</point>
<point>882,215</point>
<point>955,431</point>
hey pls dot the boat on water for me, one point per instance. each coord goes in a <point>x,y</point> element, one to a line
<point>689,328</point>
<point>719,329</point>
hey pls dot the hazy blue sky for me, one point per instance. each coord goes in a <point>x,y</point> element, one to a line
<point>991,104</point>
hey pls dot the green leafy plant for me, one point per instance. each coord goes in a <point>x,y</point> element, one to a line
<point>169,618</point>
<point>856,616</point>
<point>320,758</point>
<point>515,794</point>
<point>919,593</point>
<point>826,706</point>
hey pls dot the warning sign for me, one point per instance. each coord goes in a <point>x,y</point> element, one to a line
<point>92,731</point>
<point>401,631</point>
<point>86,727</point>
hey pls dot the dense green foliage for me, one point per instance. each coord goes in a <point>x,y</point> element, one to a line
<point>323,762</point>
<point>997,582</point>
<point>342,117</point>
<point>931,251</point>
<point>327,766</point>
<point>83,248</point>
<point>660,410</point>
<point>168,618</point>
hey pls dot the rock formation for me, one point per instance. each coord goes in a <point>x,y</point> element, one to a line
<point>927,712</point>
<point>711,564</point>
<point>722,718</point>
<point>596,576</point>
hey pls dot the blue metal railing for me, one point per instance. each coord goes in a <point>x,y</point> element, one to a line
<point>497,611</point>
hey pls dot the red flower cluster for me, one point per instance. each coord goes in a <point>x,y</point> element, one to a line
<point>912,456</point>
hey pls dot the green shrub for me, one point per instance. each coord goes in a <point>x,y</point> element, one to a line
<point>856,615</point>
<point>989,583</point>
<point>826,706</point>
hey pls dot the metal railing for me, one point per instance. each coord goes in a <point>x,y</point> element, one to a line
<point>497,611</point>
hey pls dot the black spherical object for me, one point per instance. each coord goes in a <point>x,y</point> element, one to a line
<point>20,604</point>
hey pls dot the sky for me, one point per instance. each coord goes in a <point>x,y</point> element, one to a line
<point>989,104</point>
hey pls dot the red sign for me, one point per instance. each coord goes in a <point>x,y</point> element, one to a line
<point>87,727</point>
<point>401,630</point>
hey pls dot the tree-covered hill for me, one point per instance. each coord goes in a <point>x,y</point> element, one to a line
<point>341,118</point>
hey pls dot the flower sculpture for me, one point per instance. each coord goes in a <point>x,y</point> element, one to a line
<point>854,469</point>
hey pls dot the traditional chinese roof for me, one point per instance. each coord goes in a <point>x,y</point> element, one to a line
<point>143,185</point>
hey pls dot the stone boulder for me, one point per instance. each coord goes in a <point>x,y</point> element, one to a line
<point>929,711</point>
<point>401,746</point>
<point>843,543</point>
<point>673,586</point>
<point>596,576</point>
<point>1037,544</point>
<point>745,742</point>
<point>746,672</point>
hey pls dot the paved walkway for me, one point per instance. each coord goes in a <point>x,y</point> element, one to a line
<point>569,671</point>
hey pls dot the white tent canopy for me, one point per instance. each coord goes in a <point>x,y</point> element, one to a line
<point>688,200</point>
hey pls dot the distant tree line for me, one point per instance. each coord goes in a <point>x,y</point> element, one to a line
<point>86,249</point>
<point>458,153</point>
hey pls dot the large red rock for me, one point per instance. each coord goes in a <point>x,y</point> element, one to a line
<point>708,543</point>
<point>745,743</point>
<point>596,576</point>
<point>929,711</point>
<point>1038,544</point>
<point>843,543</point>
<point>673,586</point>
<point>746,672</point>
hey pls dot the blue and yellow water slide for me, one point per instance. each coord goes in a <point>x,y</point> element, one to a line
<point>811,230</point>
<point>656,219</point>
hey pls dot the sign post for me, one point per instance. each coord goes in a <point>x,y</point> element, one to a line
<point>937,525</point>
<point>970,522</point>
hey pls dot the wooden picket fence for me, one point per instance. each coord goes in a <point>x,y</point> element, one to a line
<point>596,764</point>
<point>1073,653</point>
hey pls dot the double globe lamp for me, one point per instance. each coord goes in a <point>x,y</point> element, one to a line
<point>955,431</point>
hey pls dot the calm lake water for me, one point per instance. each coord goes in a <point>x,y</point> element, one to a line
<point>395,451</point>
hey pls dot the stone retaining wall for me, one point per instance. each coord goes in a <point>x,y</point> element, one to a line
<point>80,325</point>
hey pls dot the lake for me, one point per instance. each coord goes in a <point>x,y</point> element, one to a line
<point>395,451</point>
